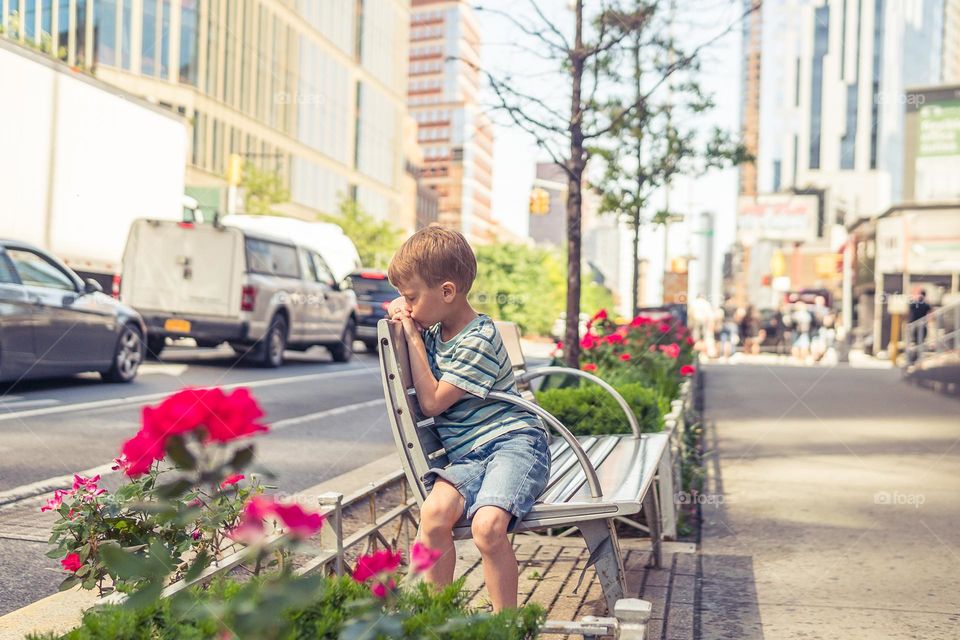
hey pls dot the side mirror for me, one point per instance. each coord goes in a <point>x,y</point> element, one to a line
<point>92,286</point>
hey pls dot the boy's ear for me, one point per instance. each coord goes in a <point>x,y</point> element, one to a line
<point>448,290</point>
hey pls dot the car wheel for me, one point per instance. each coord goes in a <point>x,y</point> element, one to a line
<point>155,346</point>
<point>274,343</point>
<point>343,351</point>
<point>370,344</point>
<point>127,356</point>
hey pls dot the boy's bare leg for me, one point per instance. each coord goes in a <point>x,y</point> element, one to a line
<point>440,511</point>
<point>489,529</point>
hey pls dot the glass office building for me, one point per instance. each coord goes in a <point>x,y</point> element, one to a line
<point>314,89</point>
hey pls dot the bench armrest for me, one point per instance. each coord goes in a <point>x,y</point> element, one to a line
<point>539,372</point>
<point>592,480</point>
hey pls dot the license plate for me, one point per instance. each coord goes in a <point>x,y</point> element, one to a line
<point>177,325</point>
<point>364,309</point>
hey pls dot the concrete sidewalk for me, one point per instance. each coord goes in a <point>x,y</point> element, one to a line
<point>831,508</point>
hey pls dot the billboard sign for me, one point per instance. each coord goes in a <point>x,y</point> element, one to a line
<point>778,216</point>
<point>937,163</point>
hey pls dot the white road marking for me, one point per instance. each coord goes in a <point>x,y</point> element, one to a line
<point>119,402</point>
<point>50,484</point>
<point>5,405</point>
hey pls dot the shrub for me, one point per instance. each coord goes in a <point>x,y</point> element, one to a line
<point>588,409</point>
<point>418,611</point>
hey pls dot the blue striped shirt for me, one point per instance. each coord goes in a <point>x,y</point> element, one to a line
<point>476,361</point>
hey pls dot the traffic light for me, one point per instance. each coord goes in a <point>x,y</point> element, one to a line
<point>539,202</point>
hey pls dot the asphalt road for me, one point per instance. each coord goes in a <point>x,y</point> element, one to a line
<point>327,418</point>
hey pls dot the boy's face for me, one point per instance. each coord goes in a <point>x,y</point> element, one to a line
<point>428,305</point>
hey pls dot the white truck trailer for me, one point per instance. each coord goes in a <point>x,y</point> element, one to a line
<point>81,160</point>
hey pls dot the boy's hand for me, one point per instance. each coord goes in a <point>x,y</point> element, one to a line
<point>396,306</point>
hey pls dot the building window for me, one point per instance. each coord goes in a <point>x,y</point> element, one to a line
<point>189,43</point>
<point>878,29</point>
<point>105,32</point>
<point>148,47</point>
<point>820,48</point>
<point>165,39</point>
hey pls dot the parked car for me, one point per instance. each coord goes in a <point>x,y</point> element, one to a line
<point>52,323</point>
<point>261,293</point>
<point>374,294</point>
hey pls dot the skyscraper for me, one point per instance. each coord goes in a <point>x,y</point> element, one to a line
<point>443,96</point>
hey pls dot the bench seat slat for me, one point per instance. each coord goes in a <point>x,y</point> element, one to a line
<point>630,468</point>
<point>573,478</point>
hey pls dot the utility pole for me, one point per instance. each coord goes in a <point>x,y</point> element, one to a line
<point>635,294</point>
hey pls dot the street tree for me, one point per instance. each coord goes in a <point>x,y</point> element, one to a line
<point>262,189</point>
<point>376,240</point>
<point>593,102</point>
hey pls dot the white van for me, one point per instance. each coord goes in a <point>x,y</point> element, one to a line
<point>260,292</point>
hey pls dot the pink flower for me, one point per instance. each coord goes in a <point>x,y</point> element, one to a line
<point>71,563</point>
<point>422,557</point>
<point>664,327</point>
<point>613,338</point>
<point>379,589</point>
<point>297,522</point>
<point>624,356</point>
<point>184,411</point>
<point>234,479</point>
<point>196,534</point>
<point>689,341</point>
<point>88,484</point>
<point>687,370</point>
<point>235,417</point>
<point>374,564</point>
<point>119,462</point>
<point>599,315</point>
<point>588,341</point>
<point>589,366</point>
<point>141,450</point>
<point>54,502</point>
<point>639,321</point>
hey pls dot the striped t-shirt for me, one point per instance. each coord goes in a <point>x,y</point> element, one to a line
<point>476,361</point>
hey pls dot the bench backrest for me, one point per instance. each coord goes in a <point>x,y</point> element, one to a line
<point>419,447</point>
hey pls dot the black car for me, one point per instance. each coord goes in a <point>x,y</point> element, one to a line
<point>374,294</point>
<point>52,323</point>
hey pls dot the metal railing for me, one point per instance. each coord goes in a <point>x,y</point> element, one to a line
<point>936,333</point>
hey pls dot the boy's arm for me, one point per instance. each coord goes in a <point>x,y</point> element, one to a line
<point>434,396</point>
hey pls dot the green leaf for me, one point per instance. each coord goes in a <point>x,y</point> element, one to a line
<point>242,458</point>
<point>200,562</point>
<point>68,583</point>
<point>56,553</point>
<point>177,450</point>
<point>173,489</point>
<point>123,564</point>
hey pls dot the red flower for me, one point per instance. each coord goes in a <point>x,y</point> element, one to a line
<point>599,315</point>
<point>71,563</point>
<point>234,479</point>
<point>235,417</point>
<point>624,356</point>
<point>87,484</point>
<point>422,557</point>
<point>588,341</point>
<point>613,338</point>
<point>184,411</point>
<point>639,321</point>
<point>671,350</point>
<point>589,366</point>
<point>383,561</point>
<point>689,341</point>
<point>379,589</point>
<point>297,522</point>
<point>687,370</point>
<point>141,450</point>
<point>664,327</point>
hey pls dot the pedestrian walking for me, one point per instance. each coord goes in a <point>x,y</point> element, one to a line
<point>919,308</point>
<point>499,455</point>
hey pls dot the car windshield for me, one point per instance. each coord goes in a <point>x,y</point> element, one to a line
<point>372,286</point>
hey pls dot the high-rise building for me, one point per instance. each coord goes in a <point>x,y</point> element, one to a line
<point>314,90</point>
<point>455,134</point>
<point>750,93</point>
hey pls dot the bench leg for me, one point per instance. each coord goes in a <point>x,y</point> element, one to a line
<point>665,491</point>
<point>651,512</point>
<point>601,539</point>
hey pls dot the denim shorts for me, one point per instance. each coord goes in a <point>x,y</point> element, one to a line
<point>510,472</point>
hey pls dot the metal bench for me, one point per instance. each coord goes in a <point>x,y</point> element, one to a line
<point>593,479</point>
<point>664,518</point>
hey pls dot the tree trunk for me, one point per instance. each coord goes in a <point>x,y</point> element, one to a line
<point>576,163</point>
<point>637,71</point>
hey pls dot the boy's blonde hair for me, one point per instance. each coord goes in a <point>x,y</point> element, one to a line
<point>435,254</point>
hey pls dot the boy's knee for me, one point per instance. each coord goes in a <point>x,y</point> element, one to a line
<point>489,527</point>
<point>441,511</point>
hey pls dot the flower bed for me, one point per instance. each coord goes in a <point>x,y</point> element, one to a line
<point>192,494</point>
<point>645,360</point>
